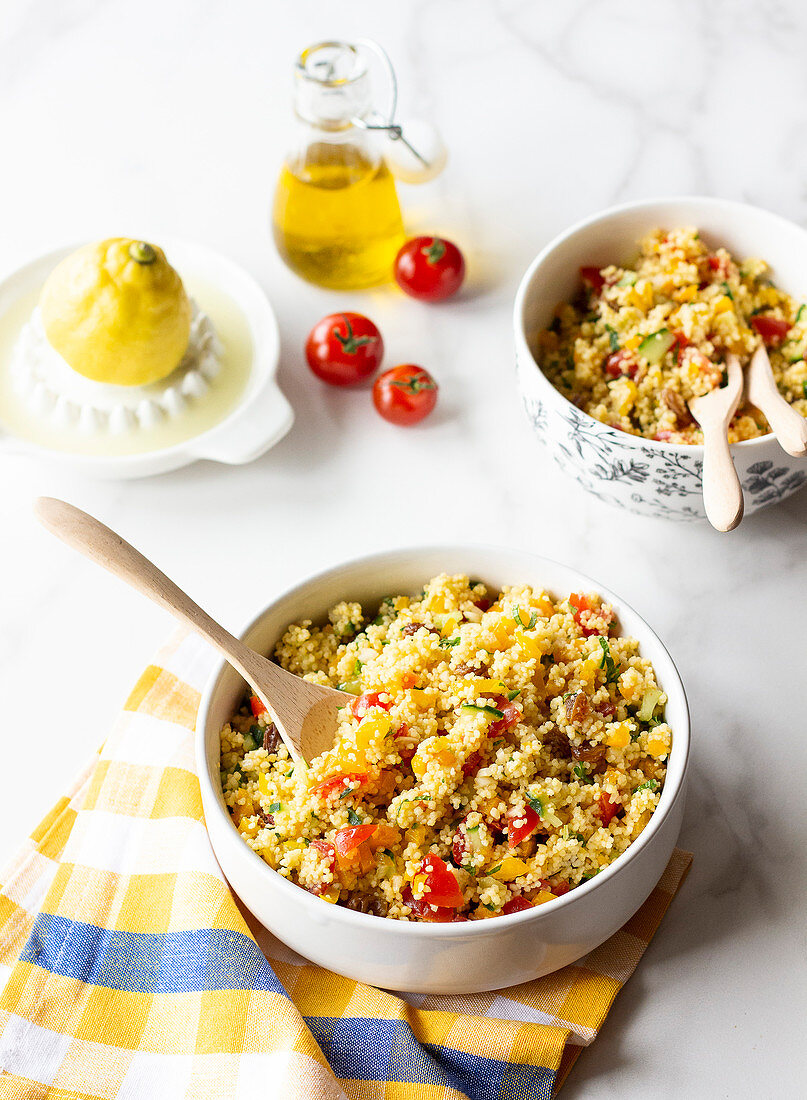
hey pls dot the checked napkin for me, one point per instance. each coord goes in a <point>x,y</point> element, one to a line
<point>128,969</point>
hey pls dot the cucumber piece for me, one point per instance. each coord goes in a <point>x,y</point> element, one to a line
<point>649,701</point>
<point>655,346</point>
<point>628,279</point>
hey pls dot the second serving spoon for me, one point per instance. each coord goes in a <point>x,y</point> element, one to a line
<point>788,425</point>
<point>305,714</point>
<point>722,492</point>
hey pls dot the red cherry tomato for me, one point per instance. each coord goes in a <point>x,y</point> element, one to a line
<point>256,706</point>
<point>771,329</point>
<point>344,348</point>
<point>521,825</point>
<point>360,704</point>
<point>441,886</point>
<point>517,905</point>
<point>592,278</point>
<point>404,394</point>
<point>342,781</point>
<point>607,808</point>
<point>347,840</point>
<point>429,268</point>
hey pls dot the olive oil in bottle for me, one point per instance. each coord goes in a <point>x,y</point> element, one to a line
<point>336,220</point>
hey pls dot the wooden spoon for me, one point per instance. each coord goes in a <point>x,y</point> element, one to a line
<point>722,492</point>
<point>788,425</point>
<point>305,714</point>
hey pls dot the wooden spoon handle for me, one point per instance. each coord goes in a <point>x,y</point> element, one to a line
<point>722,492</point>
<point>97,542</point>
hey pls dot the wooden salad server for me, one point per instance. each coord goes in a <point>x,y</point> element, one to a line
<point>789,426</point>
<point>722,492</point>
<point>305,714</point>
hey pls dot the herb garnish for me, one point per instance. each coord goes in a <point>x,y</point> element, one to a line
<point>533,619</point>
<point>612,669</point>
<point>613,339</point>
<point>354,818</point>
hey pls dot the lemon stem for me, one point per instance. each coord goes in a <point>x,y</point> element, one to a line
<point>142,253</point>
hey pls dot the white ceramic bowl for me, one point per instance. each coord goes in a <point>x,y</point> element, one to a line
<point>260,417</point>
<point>642,475</point>
<point>439,958</point>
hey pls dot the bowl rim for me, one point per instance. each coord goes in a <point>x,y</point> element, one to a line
<point>599,217</point>
<point>670,795</point>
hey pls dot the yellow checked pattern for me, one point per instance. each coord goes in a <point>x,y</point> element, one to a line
<point>128,969</point>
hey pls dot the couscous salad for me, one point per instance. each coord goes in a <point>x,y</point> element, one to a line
<point>640,341</point>
<point>500,749</point>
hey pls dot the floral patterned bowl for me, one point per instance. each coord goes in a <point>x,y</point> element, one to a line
<point>648,477</point>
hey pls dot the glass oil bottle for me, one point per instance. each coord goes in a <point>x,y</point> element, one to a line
<point>336,219</point>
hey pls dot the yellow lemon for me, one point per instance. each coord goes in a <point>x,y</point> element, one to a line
<point>117,312</point>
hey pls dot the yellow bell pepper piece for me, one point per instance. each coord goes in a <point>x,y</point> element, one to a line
<point>530,646</point>
<point>619,738</point>
<point>511,867</point>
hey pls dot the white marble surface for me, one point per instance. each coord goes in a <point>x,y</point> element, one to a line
<point>167,118</point>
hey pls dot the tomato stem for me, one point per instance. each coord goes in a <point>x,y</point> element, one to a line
<point>435,251</point>
<point>350,343</point>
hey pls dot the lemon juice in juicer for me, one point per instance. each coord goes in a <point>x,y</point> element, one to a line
<point>337,219</point>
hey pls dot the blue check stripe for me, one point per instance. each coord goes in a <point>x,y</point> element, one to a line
<point>387,1050</point>
<point>206,959</point>
<point>169,962</point>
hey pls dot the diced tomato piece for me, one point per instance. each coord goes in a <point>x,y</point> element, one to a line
<point>528,823</point>
<point>483,603</point>
<point>517,905</point>
<point>408,679</point>
<point>608,809</point>
<point>681,342</point>
<point>460,845</point>
<point>421,908</point>
<point>327,850</point>
<point>582,604</point>
<point>621,363</point>
<point>510,715</point>
<point>771,329</point>
<point>717,263</point>
<point>347,840</point>
<point>359,705</point>
<point>406,752</point>
<point>592,277</point>
<point>471,765</point>
<point>441,887</point>
<point>562,888</point>
<point>663,435</point>
<point>256,706</point>
<point>342,781</point>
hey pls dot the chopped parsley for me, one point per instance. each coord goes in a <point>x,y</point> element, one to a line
<point>581,771</point>
<point>484,709</point>
<point>804,387</point>
<point>798,315</point>
<point>650,785</point>
<point>613,339</point>
<point>727,290</point>
<point>511,695</point>
<point>612,669</point>
<point>354,818</point>
<point>446,643</point>
<point>357,667</point>
<point>493,870</point>
<point>585,878</point>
